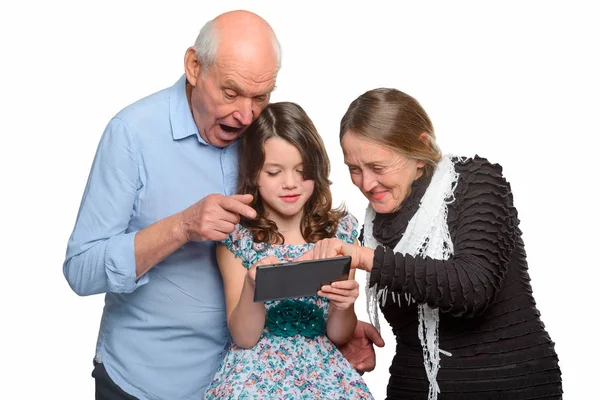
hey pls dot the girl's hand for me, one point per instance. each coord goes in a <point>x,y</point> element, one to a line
<point>341,294</point>
<point>251,275</point>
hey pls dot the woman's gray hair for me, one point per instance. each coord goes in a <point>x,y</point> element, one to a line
<point>207,43</point>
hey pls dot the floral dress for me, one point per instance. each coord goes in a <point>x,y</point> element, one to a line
<point>293,358</point>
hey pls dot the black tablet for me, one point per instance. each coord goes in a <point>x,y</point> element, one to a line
<point>298,279</point>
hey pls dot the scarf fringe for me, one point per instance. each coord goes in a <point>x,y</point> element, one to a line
<point>421,239</point>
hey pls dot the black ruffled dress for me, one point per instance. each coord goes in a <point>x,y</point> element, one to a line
<point>488,317</point>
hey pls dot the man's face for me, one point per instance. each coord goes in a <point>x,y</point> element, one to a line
<point>229,96</point>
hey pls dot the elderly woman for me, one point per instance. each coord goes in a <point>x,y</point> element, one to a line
<point>446,262</point>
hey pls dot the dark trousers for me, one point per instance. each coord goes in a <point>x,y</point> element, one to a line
<point>106,389</point>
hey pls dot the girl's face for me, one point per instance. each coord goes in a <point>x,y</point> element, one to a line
<point>281,185</point>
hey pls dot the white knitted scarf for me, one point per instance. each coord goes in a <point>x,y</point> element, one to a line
<point>426,235</point>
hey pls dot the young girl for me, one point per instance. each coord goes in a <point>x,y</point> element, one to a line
<point>286,349</point>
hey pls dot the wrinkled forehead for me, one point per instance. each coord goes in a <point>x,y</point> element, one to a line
<point>244,79</point>
<point>357,149</point>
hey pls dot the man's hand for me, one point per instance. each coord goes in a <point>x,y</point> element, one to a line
<point>215,216</point>
<point>359,349</point>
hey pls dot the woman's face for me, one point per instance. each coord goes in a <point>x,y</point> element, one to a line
<point>382,175</point>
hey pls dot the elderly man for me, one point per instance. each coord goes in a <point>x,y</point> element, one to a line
<point>141,235</point>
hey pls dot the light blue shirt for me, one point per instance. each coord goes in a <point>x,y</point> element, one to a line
<point>164,335</point>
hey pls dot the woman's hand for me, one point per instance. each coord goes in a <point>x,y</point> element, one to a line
<point>251,275</point>
<point>334,247</point>
<point>341,294</point>
<point>362,257</point>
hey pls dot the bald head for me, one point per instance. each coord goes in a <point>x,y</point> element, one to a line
<point>238,35</point>
<point>231,72</point>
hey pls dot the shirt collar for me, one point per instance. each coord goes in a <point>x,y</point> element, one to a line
<point>182,121</point>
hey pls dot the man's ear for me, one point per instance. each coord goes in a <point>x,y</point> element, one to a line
<point>193,68</point>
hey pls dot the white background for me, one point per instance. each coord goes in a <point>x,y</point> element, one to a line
<point>514,81</point>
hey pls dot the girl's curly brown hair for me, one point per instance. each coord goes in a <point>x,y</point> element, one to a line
<point>289,122</point>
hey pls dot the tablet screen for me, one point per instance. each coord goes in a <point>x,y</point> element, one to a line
<point>298,279</point>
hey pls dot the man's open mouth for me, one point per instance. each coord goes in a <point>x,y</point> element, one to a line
<point>230,129</point>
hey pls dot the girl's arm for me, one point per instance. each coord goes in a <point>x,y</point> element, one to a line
<point>342,318</point>
<point>245,318</point>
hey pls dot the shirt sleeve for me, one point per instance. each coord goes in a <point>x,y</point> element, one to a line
<point>100,253</point>
<point>485,236</point>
